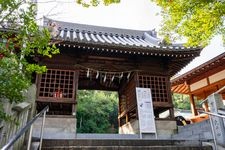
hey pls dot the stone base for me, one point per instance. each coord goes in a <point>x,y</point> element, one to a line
<point>56,127</point>
<point>164,128</point>
<point>130,128</point>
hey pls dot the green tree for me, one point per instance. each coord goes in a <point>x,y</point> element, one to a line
<point>96,2</point>
<point>20,40</point>
<point>196,20</point>
<point>97,112</point>
<point>181,101</point>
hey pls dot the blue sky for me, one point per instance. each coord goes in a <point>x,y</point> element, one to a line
<point>130,14</point>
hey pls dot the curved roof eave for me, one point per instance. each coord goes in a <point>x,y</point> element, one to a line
<point>199,69</point>
<point>73,33</point>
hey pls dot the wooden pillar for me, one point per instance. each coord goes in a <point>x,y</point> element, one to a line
<point>75,90</point>
<point>127,117</point>
<point>171,110</point>
<point>206,106</point>
<point>119,122</point>
<point>192,102</point>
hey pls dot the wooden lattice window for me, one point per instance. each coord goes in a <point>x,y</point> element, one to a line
<point>57,84</point>
<point>158,86</point>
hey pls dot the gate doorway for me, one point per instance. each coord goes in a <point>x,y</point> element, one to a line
<point>97,111</point>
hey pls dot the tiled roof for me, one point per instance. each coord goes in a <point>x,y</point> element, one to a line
<point>73,32</point>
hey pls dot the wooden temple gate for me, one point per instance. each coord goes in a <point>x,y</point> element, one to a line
<point>102,58</point>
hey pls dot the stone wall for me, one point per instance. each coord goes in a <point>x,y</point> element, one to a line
<point>57,126</point>
<point>21,113</point>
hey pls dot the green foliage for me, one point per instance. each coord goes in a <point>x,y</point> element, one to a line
<point>96,2</point>
<point>20,40</point>
<point>97,112</point>
<point>181,101</point>
<point>197,20</point>
<point>3,115</point>
<point>12,81</point>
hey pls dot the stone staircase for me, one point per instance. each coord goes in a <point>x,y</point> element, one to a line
<point>122,144</point>
<point>58,136</point>
<point>196,131</point>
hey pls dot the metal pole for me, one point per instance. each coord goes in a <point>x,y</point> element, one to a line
<point>24,129</point>
<point>30,135</point>
<point>213,132</point>
<point>213,114</point>
<point>42,128</point>
<point>203,101</point>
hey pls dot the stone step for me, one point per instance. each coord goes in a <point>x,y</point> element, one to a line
<point>119,142</point>
<point>128,148</point>
<point>122,144</point>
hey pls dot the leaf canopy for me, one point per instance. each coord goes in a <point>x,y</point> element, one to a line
<point>96,2</point>
<point>196,20</point>
<point>21,39</point>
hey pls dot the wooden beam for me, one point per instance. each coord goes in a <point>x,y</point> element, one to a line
<point>193,108</point>
<point>107,58</point>
<point>212,88</point>
<point>58,100</point>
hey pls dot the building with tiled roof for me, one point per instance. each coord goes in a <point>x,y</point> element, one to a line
<point>202,81</point>
<point>103,58</point>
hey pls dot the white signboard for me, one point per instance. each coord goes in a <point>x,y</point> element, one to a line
<point>145,110</point>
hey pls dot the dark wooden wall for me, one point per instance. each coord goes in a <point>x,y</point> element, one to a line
<point>145,71</point>
<point>127,101</point>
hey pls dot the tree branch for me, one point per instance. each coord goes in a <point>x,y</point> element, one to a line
<point>11,11</point>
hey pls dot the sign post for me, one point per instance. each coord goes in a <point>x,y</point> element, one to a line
<point>215,103</point>
<point>145,111</point>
